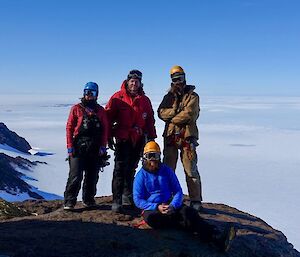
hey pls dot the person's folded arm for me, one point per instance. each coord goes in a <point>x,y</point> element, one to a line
<point>167,109</point>
<point>189,113</point>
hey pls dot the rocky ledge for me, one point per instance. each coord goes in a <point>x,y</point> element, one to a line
<point>42,228</point>
<point>12,139</point>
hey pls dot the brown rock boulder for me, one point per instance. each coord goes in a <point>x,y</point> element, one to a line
<point>51,231</point>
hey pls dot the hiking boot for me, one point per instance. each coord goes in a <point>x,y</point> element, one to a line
<point>68,207</point>
<point>89,204</point>
<point>117,208</point>
<point>197,205</point>
<point>224,240</point>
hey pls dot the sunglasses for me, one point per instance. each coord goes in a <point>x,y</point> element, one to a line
<point>152,156</point>
<point>135,75</point>
<point>178,79</point>
<point>89,92</point>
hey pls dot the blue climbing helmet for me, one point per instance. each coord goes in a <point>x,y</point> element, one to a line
<point>91,88</point>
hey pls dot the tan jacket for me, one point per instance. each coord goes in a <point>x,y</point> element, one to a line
<point>180,115</point>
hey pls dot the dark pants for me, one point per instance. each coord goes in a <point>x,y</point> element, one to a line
<point>127,157</point>
<point>78,165</point>
<point>186,218</point>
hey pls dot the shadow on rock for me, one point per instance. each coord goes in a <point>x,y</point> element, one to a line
<point>36,238</point>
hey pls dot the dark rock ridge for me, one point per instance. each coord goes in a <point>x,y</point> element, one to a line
<point>10,210</point>
<point>12,139</point>
<point>91,232</point>
<point>11,180</point>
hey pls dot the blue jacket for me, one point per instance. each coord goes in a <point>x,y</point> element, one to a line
<point>152,189</point>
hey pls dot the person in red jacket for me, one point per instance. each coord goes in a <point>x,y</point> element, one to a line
<point>87,130</point>
<point>131,124</point>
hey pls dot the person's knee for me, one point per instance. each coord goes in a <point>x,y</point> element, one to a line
<point>153,221</point>
<point>76,178</point>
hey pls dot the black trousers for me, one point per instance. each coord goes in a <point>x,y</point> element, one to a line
<point>127,157</point>
<point>186,218</point>
<point>79,166</point>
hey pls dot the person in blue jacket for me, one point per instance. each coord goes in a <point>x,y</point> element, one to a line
<point>157,191</point>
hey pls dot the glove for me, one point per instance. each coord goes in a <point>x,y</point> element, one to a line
<point>70,151</point>
<point>102,150</point>
<point>171,209</point>
<point>177,89</point>
<point>103,160</point>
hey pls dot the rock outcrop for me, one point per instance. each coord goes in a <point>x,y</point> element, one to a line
<point>88,232</point>
<point>11,180</point>
<point>12,139</point>
<point>9,210</point>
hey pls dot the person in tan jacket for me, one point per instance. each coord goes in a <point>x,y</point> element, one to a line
<point>179,110</point>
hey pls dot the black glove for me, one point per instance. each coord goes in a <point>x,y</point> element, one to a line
<point>177,89</point>
<point>103,160</point>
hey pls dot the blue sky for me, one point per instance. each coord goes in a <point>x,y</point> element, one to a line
<point>232,47</point>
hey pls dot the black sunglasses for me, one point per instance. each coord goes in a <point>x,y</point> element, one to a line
<point>134,76</point>
<point>89,92</point>
<point>178,79</point>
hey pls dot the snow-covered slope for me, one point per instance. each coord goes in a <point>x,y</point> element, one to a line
<point>16,173</point>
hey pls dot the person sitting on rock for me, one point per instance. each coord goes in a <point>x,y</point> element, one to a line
<point>156,190</point>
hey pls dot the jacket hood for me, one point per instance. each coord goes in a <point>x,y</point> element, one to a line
<point>189,88</point>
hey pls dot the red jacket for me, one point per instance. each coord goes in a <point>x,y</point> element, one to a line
<point>75,120</point>
<point>130,118</point>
